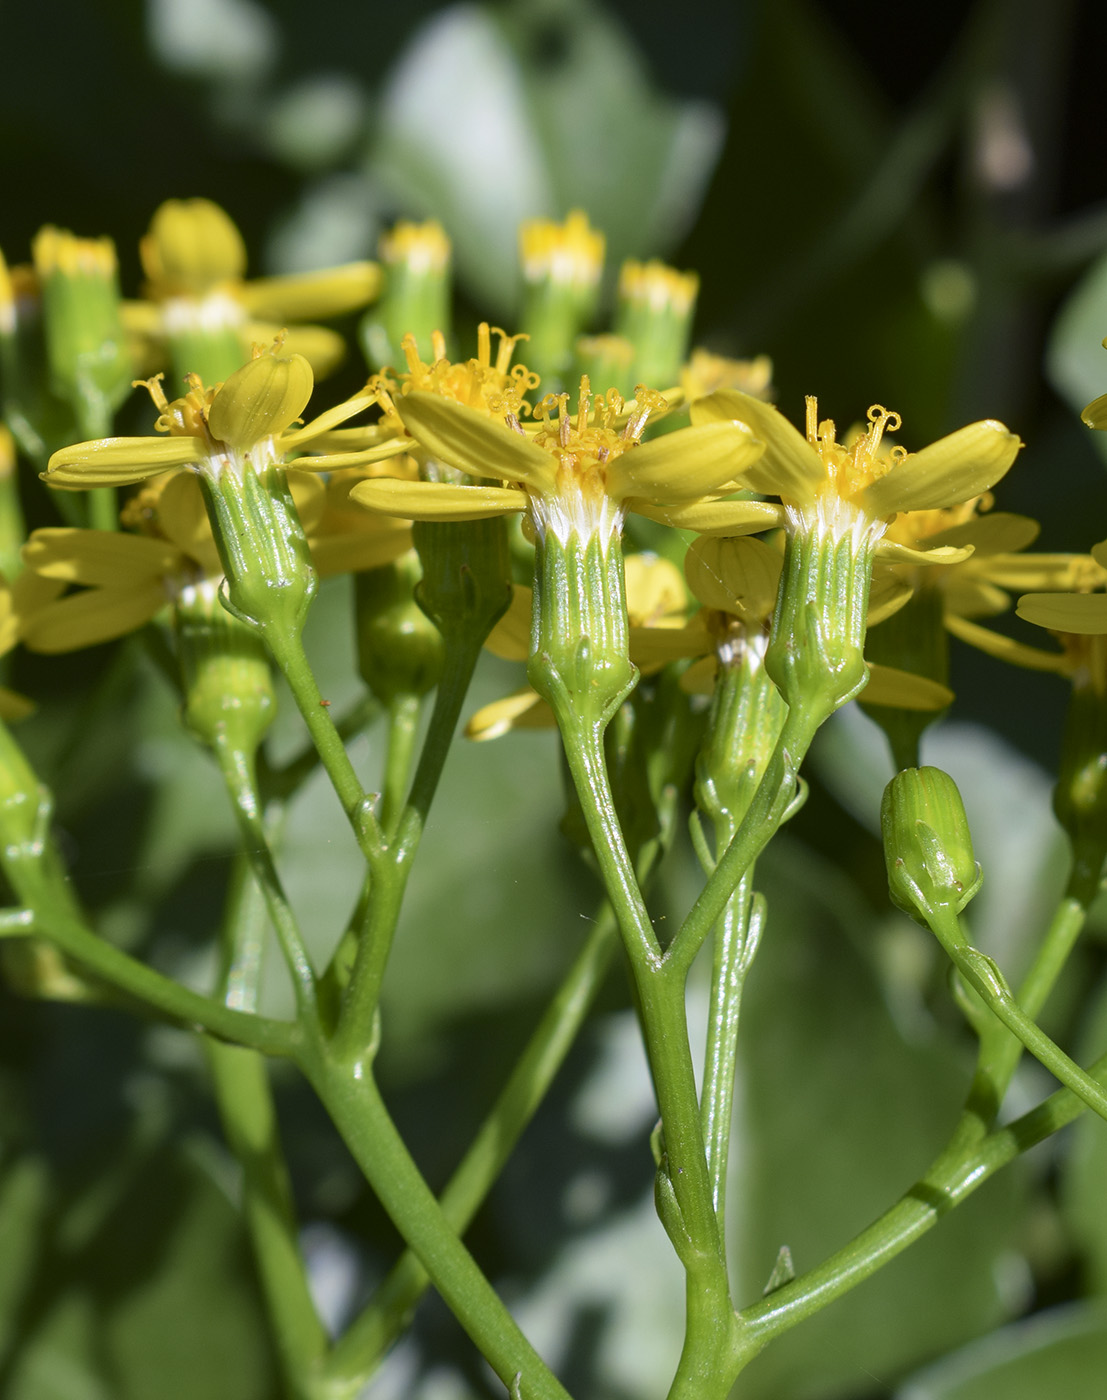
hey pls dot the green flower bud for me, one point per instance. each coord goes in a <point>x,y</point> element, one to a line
<point>89,364</point>
<point>927,844</point>
<point>416,296</point>
<point>562,265</point>
<point>607,360</point>
<point>399,648</point>
<point>225,675</point>
<point>40,421</point>
<point>654,313</point>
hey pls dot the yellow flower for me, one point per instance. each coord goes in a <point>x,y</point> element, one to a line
<point>737,581</point>
<point>854,490</point>
<point>569,255</point>
<point>704,373</point>
<point>195,263</point>
<point>20,603</point>
<point>574,475</point>
<point>245,422</point>
<point>980,585</point>
<point>122,579</point>
<point>1084,614</point>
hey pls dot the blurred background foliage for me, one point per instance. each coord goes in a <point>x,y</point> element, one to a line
<point>897,205</point>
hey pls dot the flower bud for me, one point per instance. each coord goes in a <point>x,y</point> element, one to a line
<point>927,844</point>
<point>562,265</point>
<point>399,648</point>
<point>86,347</point>
<point>191,248</point>
<point>416,296</point>
<point>654,313</point>
<point>225,675</point>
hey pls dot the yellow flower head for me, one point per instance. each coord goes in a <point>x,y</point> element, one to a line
<point>195,263</point>
<point>658,287</point>
<point>573,473</point>
<point>855,488</point>
<point>494,387</point>
<point>245,421</point>
<point>419,247</point>
<point>568,255</point>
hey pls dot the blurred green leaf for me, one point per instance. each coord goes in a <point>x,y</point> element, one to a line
<point>1075,361</point>
<point>1061,1352</point>
<point>485,123</point>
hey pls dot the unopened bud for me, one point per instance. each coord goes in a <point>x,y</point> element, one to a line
<point>927,844</point>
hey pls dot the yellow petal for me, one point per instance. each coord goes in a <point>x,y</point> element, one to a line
<point>1095,415</point>
<point>332,292</point>
<point>355,550</point>
<point>888,593</point>
<point>903,690</point>
<point>892,553</point>
<point>999,532</point>
<point>14,706</point>
<point>524,710</point>
<point>261,399</point>
<point>191,247</point>
<point>324,350</point>
<point>655,590</point>
<point>291,442</point>
<point>970,596</point>
<point>465,439</point>
<point>654,647</point>
<point>715,517</point>
<point>101,558</point>
<point>183,517</point>
<point>964,464</point>
<point>435,500</point>
<point>339,461</point>
<point>736,576</point>
<point>684,465</point>
<point>1005,648</point>
<point>95,615</point>
<point>1085,613</point>
<point>510,638</point>
<point>699,679</point>
<point>310,496</point>
<point>790,467</point>
<point>120,461</point>
<point>1046,573</point>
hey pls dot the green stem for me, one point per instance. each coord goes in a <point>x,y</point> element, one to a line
<point>985,978</point>
<point>389,1312</point>
<point>245,1102</point>
<point>354,1103</point>
<point>55,919</point>
<point>102,512</point>
<point>288,652</point>
<point>965,1165</point>
<point>1001,1051</point>
<point>392,866</point>
<point>765,815</point>
<point>237,769</point>
<point>690,1218</point>
<point>737,938</point>
<point>285,781</point>
<point>403,729</point>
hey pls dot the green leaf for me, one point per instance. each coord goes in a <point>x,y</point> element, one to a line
<point>1060,1352</point>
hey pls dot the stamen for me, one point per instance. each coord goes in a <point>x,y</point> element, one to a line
<point>584,403</point>
<point>484,345</point>
<point>438,345</point>
<point>812,419</point>
<point>881,419</point>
